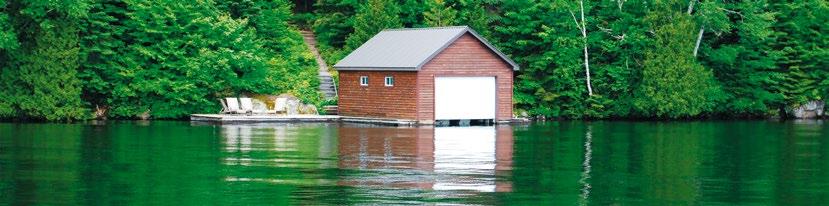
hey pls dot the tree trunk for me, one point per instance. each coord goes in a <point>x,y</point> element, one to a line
<point>691,6</point>
<point>701,28</point>
<point>699,39</point>
<point>587,71</point>
<point>582,27</point>
<point>586,55</point>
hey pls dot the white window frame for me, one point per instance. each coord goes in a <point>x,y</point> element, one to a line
<point>363,80</point>
<point>389,79</point>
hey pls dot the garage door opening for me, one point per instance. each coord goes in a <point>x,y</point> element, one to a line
<point>464,98</point>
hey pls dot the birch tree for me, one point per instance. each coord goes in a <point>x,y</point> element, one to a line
<point>711,14</point>
<point>581,26</point>
<point>701,28</point>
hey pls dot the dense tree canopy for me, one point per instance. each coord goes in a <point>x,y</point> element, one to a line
<point>580,59</point>
<point>648,58</point>
<point>156,58</point>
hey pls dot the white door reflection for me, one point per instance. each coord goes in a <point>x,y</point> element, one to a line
<point>467,156</point>
<point>465,159</point>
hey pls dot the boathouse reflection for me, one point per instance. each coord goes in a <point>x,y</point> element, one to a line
<point>440,158</point>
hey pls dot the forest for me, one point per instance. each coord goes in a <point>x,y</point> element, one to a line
<point>601,59</point>
<point>162,59</point>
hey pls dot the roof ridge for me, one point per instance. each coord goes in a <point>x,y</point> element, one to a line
<point>428,28</point>
<point>408,48</point>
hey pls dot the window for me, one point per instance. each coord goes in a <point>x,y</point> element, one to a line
<point>389,81</point>
<point>363,80</point>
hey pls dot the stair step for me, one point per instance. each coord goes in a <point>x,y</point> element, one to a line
<point>326,86</point>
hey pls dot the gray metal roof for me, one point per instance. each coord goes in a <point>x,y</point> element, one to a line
<point>407,49</point>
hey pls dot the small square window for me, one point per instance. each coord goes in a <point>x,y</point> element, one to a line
<point>389,81</point>
<point>363,80</point>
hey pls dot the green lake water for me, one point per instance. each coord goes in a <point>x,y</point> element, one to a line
<point>562,163</point>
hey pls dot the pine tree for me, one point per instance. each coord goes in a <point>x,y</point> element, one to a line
<point>439,14</point>
<point>102,46</point>
<point>673,84</point>
<point>411,13</point>
<point>373,17</point>
<point>744,62</point>
<point>801,39</point>
<point>473,13</point>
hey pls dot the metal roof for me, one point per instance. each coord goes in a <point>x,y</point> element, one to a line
<point>407,49</point>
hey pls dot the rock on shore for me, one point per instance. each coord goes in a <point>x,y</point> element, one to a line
<point>809,110</point>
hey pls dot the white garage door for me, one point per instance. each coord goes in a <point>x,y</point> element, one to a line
<point>464,98</point>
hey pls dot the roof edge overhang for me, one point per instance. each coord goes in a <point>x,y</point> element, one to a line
<point>353,68</point>
<point>467,29</point>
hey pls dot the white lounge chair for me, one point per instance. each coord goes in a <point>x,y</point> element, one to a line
<point>225,110</point>
<point>233,105</point>
<point>247,104</point>
<point>280,105</point>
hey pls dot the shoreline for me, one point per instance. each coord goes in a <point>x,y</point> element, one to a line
<point>522,121</point>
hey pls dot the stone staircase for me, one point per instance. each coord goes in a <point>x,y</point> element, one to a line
<point>327,86</point>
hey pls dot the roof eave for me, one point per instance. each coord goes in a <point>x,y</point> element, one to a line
<point>355,68</point>
<point>420,65</point>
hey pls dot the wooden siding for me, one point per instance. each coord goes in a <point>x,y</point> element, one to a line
<point>376,99</point>
<point>465,57</point>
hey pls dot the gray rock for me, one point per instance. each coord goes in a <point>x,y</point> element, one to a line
<point>292,106</point>
<point>259,105</point>
<point>809,110</point>
<point>145,115</point>
<point>308,109</point>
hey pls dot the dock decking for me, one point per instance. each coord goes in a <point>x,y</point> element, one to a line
<point>261,118</point>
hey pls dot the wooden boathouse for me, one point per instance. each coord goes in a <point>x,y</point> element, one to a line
<point>427,75</point>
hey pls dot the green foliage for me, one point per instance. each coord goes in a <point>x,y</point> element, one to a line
<point>439,14</point>
<point>474,13</point>
<point>411,13</point>
<point>803,46</point>
<point>742,62</point>
<point>673,84</point>
<point>323,103</point>
<point>167,59</point>
<point>157,58</point>
<point>39,60</point>
<point>8,39</point>
<point>333,23</point>
<point>371,18</point>
<point>43,84</point>
<point>181,56</point>
<point>549,84</point>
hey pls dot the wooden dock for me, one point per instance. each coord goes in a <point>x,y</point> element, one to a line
<point>265,118</point>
